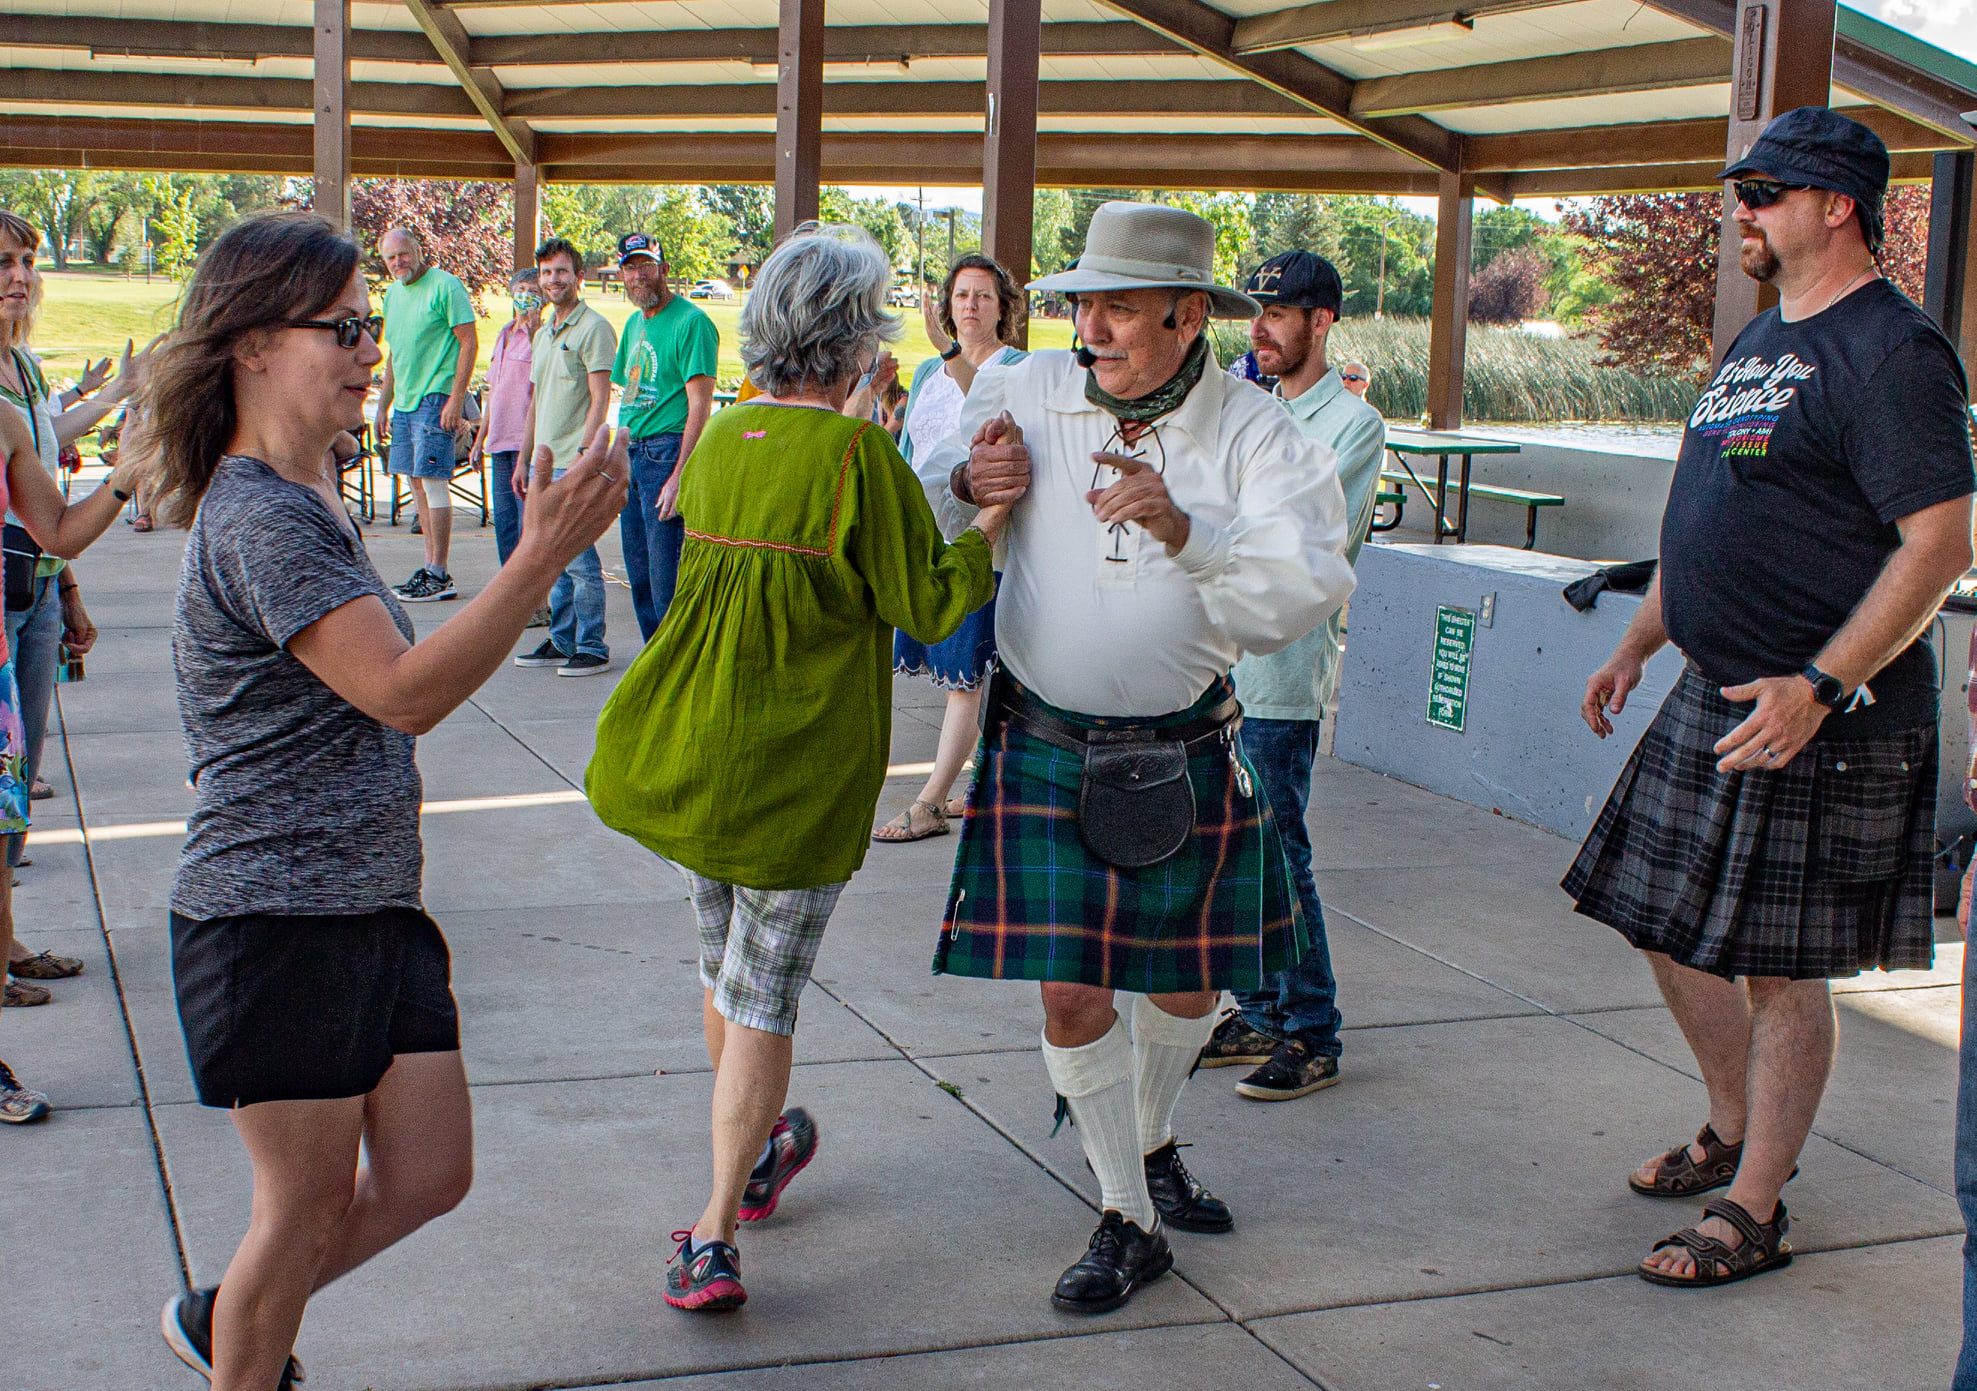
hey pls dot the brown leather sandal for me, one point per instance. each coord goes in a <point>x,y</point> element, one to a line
<point>1680,1176</point>
<point>917,822</point>
<point>1763,1248</point>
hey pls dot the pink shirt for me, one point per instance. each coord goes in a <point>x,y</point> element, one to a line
<point>508,389</point>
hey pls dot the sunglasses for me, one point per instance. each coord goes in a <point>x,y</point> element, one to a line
<point>1351,377</point>
<point>349,332</point>
<point>1762,193</point>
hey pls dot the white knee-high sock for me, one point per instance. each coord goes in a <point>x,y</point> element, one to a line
<point>1097,1081</point>
<point>1165,1047</point>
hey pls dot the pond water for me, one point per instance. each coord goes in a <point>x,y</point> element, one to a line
<point>1654,440</point>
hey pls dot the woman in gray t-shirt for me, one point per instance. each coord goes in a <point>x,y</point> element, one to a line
<point>313,990</point>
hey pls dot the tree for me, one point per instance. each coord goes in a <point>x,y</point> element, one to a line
<point>1905,255</point>
<point>55,200</point>
<point>1050,215</point>
<point>1658,251</point>
<point>466,227</point>
<point>1511,288</point>
<point>750,210</point>
<point>696,237</point>
<point>177,221</point>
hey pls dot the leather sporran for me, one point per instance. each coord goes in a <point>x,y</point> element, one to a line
<point>1135,803</point>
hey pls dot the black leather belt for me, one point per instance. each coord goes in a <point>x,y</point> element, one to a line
<point>1013,702</point>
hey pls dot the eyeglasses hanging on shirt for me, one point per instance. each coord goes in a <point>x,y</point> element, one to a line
<point>1119,542</point>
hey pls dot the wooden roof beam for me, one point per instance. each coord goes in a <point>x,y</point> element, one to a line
<point>1652,144</point>
<point>60,87</point>
<point>843,43</point>
<point>1329,20</point>
<point>449,37</point>
<point>1649,67</point>
<point>1211,33</point>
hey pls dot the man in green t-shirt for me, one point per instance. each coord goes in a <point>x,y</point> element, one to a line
<point>431,344</point>
<point>571,373</point>
<point>666,366</point>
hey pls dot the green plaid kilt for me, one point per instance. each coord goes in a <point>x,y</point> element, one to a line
<point>1030,902</point>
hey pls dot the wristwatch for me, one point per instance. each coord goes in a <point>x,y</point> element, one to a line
<point>953,351</point>
<point>1827,690</point>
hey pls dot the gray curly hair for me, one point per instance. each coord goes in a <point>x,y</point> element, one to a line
<point>817,308</point>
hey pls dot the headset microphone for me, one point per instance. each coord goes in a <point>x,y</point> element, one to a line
<point>1169,321</point>
<point>1086,357</point>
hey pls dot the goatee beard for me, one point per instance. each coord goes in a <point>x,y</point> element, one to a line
<point>642,297</point>
<point>1758,261</point>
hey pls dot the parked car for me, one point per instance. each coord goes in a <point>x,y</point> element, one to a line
<point>711,289</point>
<point>903,296</point>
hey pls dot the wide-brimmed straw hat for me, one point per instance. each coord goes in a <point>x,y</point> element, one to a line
<point>1150,246</point>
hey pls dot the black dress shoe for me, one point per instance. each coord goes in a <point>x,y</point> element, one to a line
<point>1181,1201</point>
<point>1119,1260</point>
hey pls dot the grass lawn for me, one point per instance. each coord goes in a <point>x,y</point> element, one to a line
<point>91,313</point>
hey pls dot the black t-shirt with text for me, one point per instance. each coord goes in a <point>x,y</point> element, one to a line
<point>1811,442</point>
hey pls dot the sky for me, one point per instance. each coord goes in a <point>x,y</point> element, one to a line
<point>1951,25</point>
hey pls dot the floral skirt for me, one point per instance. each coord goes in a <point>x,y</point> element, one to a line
<point>13,755</point>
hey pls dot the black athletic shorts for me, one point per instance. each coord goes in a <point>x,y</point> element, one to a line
<point>309,1008</point>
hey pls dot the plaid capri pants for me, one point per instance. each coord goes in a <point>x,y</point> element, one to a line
<point>757,947</point>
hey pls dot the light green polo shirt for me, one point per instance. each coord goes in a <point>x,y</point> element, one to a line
<point>419,320</point>
<point>658,355</point>
<point>1301,682</point>
<point>565,356</point>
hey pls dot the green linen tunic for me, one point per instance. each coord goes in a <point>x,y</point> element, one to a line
<point>748,741</point>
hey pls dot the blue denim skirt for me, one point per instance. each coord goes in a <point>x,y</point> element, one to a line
<point>958,663</point>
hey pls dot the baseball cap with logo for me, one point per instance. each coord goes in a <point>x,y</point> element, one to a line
<point>1298,279</point>
<point>635,244</point>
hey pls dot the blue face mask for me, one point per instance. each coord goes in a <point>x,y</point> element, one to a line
<point>527,304</point>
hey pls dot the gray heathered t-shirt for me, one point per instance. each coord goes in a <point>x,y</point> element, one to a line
<point>305,805</point>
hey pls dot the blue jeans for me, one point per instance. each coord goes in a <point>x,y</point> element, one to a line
<point>34,636</point>
<point>1301,1002</point>
<point>576,608</point>
<point>1966,1174</point>
<point>507,507</point>
<point>652,547</point>
<point>420,445</point>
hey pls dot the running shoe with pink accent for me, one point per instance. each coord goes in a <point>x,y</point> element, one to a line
<point>704,1279</point>
<point>792,1145</point>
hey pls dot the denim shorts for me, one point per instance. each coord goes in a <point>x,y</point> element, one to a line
<point>420,445</point>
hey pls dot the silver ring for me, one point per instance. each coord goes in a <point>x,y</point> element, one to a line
<point>1768,753</point>
<point>610,477</point>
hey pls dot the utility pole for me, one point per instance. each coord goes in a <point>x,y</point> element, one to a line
<point>950,234</point>
<point>920,241</point>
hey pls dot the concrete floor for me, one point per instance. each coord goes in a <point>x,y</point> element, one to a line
<point>1454,1215</point>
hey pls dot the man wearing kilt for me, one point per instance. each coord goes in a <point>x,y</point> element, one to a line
<point>1774,828</point>
<point>1117,838</point>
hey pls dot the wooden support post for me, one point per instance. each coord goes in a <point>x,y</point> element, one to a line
<point>1950,292</point>
<point>799,112</point>
<point>1783,59</point>
<point>1448,331</point>
<point>1009,150</point>
<point>332,111</point>
<point>528,214</point>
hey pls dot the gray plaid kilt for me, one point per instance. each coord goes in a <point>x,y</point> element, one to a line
<point>1819,869</point>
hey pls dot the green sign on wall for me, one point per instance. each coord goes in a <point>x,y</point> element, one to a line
<point>1448,685</point>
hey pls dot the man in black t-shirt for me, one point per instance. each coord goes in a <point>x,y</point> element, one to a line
<point>1775,826</point>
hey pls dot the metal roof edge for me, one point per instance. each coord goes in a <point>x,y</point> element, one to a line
<point>1905,48</point>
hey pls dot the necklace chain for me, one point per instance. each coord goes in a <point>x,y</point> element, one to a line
<point>1846,289</point>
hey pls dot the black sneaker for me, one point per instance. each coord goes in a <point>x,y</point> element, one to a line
<point>547,655</point>
<point>1293,1071</point>
<point>538,619</point>
<point>704,1280</point>
<point>187,1323</point>
<point>1118,1261</point>
<point>411,583</point>
<point>1180,1200</point>
<point>19,1104</point>
<point>792,1145</point>
<point>585,664</point>
<point>1235,1042</point>
<point>427,586</point>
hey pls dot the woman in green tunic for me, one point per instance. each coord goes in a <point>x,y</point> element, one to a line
<point>747,744</point>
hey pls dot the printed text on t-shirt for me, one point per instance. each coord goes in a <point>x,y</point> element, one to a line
<point>1742,405</point>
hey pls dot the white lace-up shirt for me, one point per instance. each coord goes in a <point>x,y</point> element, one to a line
<point>1103,621</point>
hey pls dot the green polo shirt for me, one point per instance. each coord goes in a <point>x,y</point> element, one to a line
<point>419,320</point>
<point>565,356</point>
<point>657,356</point>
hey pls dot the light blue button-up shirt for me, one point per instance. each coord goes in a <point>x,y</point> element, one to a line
<point>1301,681</point>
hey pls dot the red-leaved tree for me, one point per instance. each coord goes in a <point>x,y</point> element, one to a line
<point>466,227</point>
<point>1509,289</point>
<point>1659,251</point>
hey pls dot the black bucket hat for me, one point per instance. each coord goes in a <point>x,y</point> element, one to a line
<point>1820,148</point>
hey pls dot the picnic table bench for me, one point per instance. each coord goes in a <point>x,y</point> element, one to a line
<point>1443,446</point>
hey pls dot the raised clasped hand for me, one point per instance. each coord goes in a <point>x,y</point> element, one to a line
<point>998,462</point>
<point>1783,723</point>
<point>1139,495</point>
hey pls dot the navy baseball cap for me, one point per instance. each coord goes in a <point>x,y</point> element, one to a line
<point>634,244</point>
<point>1820,148</point>
<point>1298,279</point>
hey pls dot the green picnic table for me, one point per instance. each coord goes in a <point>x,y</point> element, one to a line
<point>1442,446</point>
